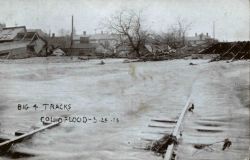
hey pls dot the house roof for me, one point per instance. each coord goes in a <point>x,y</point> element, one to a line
<point>198,37</point>
<point>9,33</point>
<point>39,32</point>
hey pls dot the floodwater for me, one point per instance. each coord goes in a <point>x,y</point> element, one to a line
<point>221,95</point>
<point>128,95</point>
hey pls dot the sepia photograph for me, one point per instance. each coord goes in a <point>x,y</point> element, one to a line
<point>125,79</point>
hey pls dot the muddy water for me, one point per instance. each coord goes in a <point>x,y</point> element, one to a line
<point>133,93</point>
<point>221,98</point>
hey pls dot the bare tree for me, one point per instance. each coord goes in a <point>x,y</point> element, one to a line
<point>128,24</point>
<point>170,38</point>
<point>183,26</point>
<point>176,35</point>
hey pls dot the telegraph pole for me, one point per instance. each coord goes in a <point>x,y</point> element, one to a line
<point>72,30</point>
<point>249,19</point>
<point>71,36</point>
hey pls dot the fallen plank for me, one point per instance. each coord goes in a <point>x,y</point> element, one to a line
<point>6,144</point>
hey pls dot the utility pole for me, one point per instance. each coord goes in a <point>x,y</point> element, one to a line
<point>71,36</point>
<point>72,31</point>
<point>249,19</point>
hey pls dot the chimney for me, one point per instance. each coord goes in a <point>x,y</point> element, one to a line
<point>195,34</point>
<point>84,33</point>
<point>201,36</point>
<point>53,35</point>
<point>207,34</point>
<point>101,32</point>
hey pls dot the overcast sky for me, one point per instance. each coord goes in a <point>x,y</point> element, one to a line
<point>231,16</point>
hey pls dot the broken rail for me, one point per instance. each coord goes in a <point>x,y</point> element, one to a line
<point>170,149</point>
<point>7,144</point>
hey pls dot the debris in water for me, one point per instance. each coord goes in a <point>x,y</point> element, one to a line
<point>200,146</point>
<point>192,64</point>
<point>17,155</point>
<point>227,144</point>
<point>209,130</point>
<point>180,133</point>
<point>207,147</point>
<point>164,120</point>
<point>173,156</point>
<point>102,62</point>
<point>161,145</point>
<point>190,109</point>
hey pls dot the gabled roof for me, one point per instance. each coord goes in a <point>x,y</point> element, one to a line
<point>9,33</point>
<point>39,32</point>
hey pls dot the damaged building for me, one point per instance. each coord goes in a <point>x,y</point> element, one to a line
<point>18,42</point>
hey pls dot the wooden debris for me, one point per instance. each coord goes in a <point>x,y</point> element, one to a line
<point>20,132</point>
<point>229,50</point>
<point>190,109</point>
<point>161,145</point>
<point>155,126</point>
<point>164,120</point>
<point>191,64</point>
<point>102,62</point>
<point>227,144</point>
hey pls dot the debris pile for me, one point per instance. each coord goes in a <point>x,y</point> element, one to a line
<point>160,146</point>
<point>190,109</point>
<point>159,52</point>
<point>227,144</point>
<point>229,50</point>
<point>208,147</point>
<point>101,63</point>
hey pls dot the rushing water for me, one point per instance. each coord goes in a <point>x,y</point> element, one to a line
<point>133,93</point>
